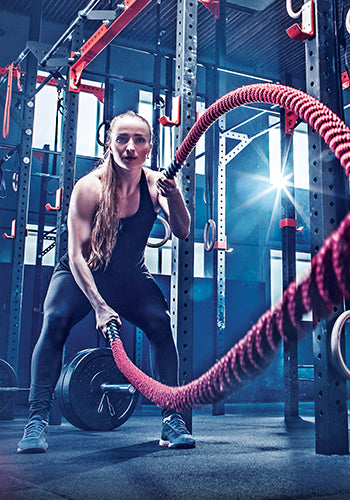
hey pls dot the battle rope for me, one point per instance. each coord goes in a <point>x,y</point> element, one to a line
<point>327,284</point>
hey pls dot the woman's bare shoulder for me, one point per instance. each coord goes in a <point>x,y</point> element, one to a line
<point>151,175</point>
<point>87,190</point>
<point>91,183</point>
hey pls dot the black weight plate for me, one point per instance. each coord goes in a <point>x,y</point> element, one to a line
<point>81,392</point>
<point>62,389</point>
<point>8,378</point>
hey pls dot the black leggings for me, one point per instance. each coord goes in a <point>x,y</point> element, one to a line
<point>136,297</point>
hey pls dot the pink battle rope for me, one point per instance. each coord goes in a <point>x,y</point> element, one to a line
<point>327,284</point>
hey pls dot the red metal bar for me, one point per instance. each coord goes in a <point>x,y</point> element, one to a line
<point>100,39</point>
<point>213,6</point>
<point>3,71</point>
<point>288,223</point>
<point>290,121</point>
<point>222,245</point>
<point>13,232</point>
<point>307,28</point>
<point>345,80</point>
<point>58,200</point>
<point>98,92</point>
<point>175,119</point>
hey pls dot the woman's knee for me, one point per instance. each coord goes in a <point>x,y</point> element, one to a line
<point>56,327</point>
<point>158,329</point>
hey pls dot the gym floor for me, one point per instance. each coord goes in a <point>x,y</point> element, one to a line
<point>246,455</point>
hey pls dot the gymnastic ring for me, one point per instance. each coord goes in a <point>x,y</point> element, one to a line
<point>347,21</point>
<point>47,189</point>
<point>209,243</point>
<point>166,236</point>
<point>159,103</point>
<point>106,124</point>
<point>336,354</point>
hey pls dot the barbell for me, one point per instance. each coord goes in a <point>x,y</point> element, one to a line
<point>91,392</point>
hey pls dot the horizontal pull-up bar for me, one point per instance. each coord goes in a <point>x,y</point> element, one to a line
<point>81,16</point>
<point>100,39</point>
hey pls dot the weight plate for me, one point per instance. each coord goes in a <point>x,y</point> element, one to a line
<point>62,389</point>
<point>81,399</point>
<point>8,378</point>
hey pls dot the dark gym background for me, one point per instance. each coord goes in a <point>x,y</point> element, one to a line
<point>249,452</point>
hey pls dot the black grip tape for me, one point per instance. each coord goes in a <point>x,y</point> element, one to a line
<point>113,331</point>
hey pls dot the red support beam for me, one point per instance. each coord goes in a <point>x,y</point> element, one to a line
<point>98,92</point>
<point>100,39</point>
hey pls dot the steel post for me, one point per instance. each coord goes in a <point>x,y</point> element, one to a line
<point>24,171</point>
<point>36,311</point>
<point>219,259</point>
<point>288,227</point>
<point>328,202</point>
<point>68,157</point>
<point>156,93</point>
<point>219,274</point>
<point>182,279</point>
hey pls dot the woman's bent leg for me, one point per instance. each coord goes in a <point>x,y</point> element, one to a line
<point>144,305</point>
<point>141,302</point>
<point>64,306</point>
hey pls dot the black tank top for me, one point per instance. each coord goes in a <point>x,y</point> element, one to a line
<point>133,233</point>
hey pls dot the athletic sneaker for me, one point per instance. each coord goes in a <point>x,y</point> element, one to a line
<point>175,433</point>
<point>34,437</point>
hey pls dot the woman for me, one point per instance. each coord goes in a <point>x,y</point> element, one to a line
<point>111,214</point>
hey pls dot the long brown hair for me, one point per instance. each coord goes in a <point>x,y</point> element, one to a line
<point>106,220</point>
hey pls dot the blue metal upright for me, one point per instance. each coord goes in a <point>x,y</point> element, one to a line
<point>288,228</point>
<point>328,203</point>
<point>24,174</point>
<point>67,166</point>
<point>182,279</point>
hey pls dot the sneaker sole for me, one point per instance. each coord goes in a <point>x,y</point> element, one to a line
<point>31,450</point>
<point>167,444</point>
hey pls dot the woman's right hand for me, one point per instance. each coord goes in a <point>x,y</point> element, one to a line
<point>104,315</point>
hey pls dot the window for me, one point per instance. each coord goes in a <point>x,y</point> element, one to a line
<point>199,260</point>
<point>303,266</point>
<point>44,128</point>
<point>166,139</point>
<point>31,246</point>
<point>158,260</point>
<point>300,153</point>
<point>145,110</point>
<point>90,115</point>
<point>200,147</point>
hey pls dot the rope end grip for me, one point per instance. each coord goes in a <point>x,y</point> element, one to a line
<point>113,331</point>
<point>172,169</point>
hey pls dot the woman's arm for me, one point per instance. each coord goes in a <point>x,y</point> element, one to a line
<point>84,200</point>
<point>173,205</point>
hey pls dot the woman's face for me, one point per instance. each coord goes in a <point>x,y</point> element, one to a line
<point>130,142</point>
